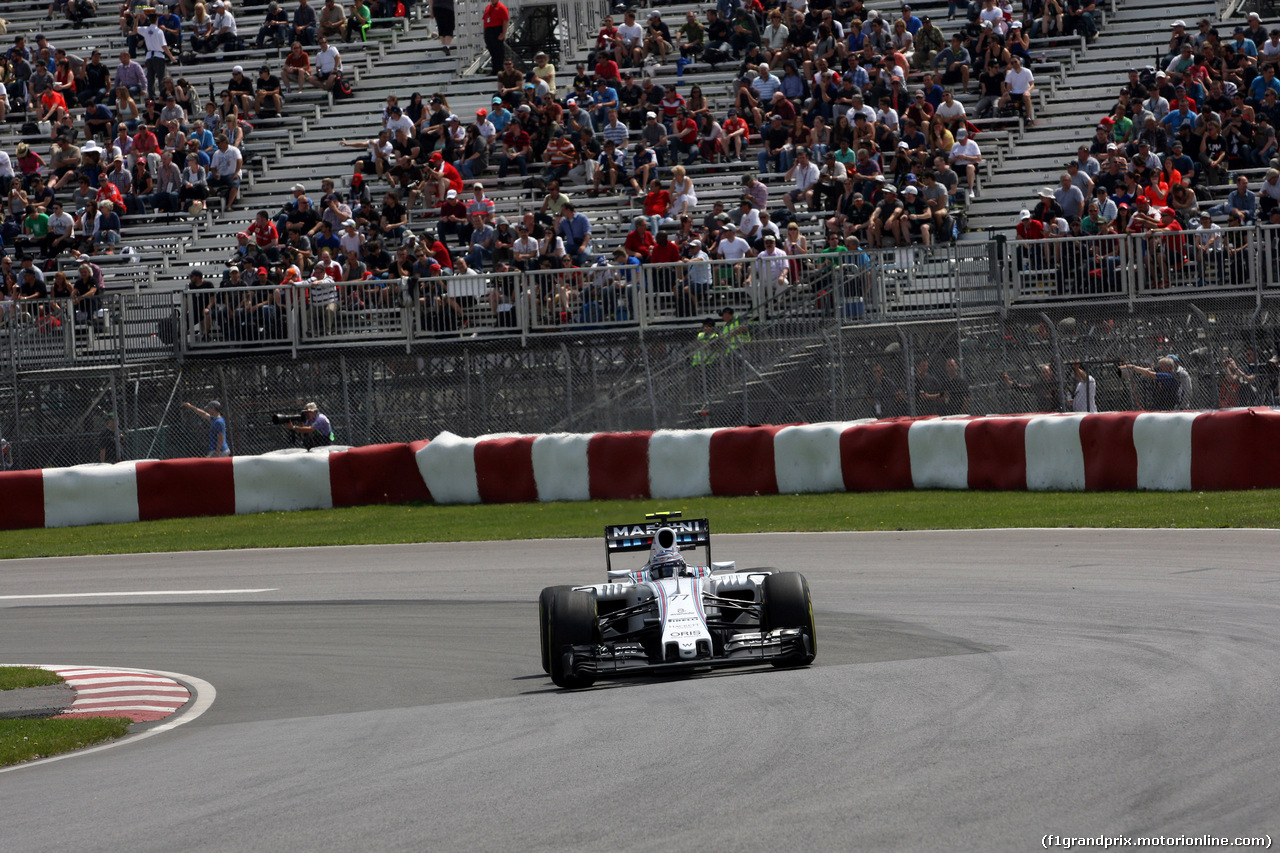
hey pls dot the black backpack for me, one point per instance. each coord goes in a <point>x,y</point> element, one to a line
<point>342,89</point>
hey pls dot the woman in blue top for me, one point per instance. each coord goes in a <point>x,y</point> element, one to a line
<point>212,412</point>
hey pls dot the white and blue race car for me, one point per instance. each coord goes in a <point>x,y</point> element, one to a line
<point>669,616</point>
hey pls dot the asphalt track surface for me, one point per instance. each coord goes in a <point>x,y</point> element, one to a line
<point>972,691</point>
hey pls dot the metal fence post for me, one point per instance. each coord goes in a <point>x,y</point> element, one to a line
<point>1059,373</point>
<point>907,370</point>
<point>1213,400</point>
<point>346,395</point>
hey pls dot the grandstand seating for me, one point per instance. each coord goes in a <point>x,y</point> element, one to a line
<point>1077,84</point>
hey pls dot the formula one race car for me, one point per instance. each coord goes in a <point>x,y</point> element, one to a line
<point>669,616</point>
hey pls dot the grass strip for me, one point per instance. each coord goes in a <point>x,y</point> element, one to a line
<point>15,677</point>
<point>25,740</point>
<point>916,510</point>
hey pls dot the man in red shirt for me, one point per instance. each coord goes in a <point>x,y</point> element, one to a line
<point>684,139</point>
<point>639,242</point>
<point>265,236</point>
<point>496,20</point>
<point>516,149</point>
<point>737,134</point>
<point>665,251</point>
<point>607,70</point>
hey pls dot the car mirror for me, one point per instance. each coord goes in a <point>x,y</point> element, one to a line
<point>727,566</point>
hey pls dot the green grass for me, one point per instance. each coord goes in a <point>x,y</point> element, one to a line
<point>24,740</point>
<point>917,510</point>
<point>13,677</point>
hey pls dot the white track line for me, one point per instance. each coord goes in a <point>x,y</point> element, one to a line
<point>139,592</point>
<point>203,694</point>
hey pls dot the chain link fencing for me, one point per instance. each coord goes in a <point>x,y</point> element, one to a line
<point>827,366</point>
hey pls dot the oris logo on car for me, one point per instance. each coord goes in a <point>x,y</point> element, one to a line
<point>688,633</point>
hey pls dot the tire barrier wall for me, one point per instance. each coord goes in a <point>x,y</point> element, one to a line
<point>1229,449</point>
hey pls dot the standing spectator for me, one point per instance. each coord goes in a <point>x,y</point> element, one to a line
<point>496,19</point>
<point>212,412</point>
<point>157,53</point>
<point>1085,396</point>
<point>442,11</point>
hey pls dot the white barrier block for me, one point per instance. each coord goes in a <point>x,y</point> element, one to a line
<point>281,482</point>
<point>807,458</point>
<point>90,494</point>
<point>1055,459</point>
<point>939,456</point>
<point>680,463</point>
<point>560,467</point>
<point>1163,443</point>
<point>448,466</point>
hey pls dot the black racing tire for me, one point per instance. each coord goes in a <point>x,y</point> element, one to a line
<point>787,605</point>
<point>571,621</point>
<point>544,609</point>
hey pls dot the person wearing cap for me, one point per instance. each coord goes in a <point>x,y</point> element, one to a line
<point>316,431</point>
<point>212,412</point>
<point>275,26</point>
<point>657,37</point>
<point>965,156</point>
<point>884,217</point>
<point>222,29</point>
<point>1254,31</point>
<point>268,93</point>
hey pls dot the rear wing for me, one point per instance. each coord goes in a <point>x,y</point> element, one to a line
<point>690,533</point>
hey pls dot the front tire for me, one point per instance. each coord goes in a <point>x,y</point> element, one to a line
<point>544,611</point>
<point>787,605</point>
<point>571,621</point>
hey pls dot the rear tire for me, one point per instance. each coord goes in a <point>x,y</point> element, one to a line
<point>571,621</point>
<point>787,605</point>
<point>544,610</point>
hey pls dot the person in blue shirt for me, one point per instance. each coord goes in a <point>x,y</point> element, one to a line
<point>212,412</point>
<point>913,23</point>
<point>575,229</point>
<point>1175,119</point>
<point>1261,84</point>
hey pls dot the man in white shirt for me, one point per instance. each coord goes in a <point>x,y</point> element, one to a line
<point>771,267</point>
<point>397,120</point>
<point>966,156</point>
<point>157,53</point>
<point>1085,397</point>
<point>749,224</point>
<point>950,110</point>
<point>327,63</point>
<point>1018,83</point>
<point>224,169</point>
<point>224,25</point>
<point>630,40</point>
<point>731,246</point>
<point>805,174</point>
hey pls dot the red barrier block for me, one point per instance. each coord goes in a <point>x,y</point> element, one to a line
<point>23,499</point>
<point>742,461</point>
<point>618,465</point>
<point>1236,450</point>
<point>182,488</point>
<point>504,470</point>
<point>876,457</point>
<point>1110,459</point>
<point>376,474</point>
<point>997,450</point>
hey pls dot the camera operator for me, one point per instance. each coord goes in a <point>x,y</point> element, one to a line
<point>316,432</point>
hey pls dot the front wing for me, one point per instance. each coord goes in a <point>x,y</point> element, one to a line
<point>750,648</point>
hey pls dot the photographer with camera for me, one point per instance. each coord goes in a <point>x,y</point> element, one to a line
<point>313,427</point>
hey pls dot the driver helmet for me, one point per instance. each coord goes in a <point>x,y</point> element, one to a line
<point>666,564</point>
